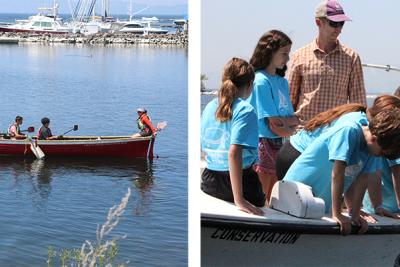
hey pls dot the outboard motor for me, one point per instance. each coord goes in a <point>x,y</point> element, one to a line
<point>296,199</point>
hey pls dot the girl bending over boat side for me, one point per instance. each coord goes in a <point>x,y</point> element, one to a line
<point>339,149</point>
<point>299,142</point>
<point>229,141</point>
<point>383,196</point>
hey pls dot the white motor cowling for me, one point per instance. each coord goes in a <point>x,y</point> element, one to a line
<point>295,198</point>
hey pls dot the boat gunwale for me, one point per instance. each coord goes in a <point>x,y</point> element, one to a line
<point>78,140</point>
<point>295,227</point>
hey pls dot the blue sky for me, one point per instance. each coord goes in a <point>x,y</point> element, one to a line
<point>374,33</point>
<point>167,7</point>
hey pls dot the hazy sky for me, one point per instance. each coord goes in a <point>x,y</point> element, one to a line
<point>174,7</point>
<point>232,28</point>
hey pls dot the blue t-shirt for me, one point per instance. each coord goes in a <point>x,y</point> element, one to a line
<point>270,98</point>
<point>314,166</point>
<point>301,140</point>
<point>216,136</point>
<point>389,201</point>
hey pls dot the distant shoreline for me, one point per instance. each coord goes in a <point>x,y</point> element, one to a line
<point>95,39</point>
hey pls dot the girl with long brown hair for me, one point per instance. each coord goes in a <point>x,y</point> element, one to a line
<point>338,149</point>
<point>229,141</point>
<point>271,100</point>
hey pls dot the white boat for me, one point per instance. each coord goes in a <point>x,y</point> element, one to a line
<point>136,27</point>
<point>142,27</point>
<point>151,19</point>
<point>230,237</point>
<point>179,22</point>
<point>46,21</point>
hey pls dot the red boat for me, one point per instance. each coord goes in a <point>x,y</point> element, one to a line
<point>82,146</point>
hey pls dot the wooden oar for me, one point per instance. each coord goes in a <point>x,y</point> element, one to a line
<point>75,128</point>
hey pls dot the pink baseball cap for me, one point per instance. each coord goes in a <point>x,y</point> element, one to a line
<point>332,10</point>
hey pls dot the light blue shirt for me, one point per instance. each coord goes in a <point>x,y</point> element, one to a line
<point>343,142</point>
<point>389,201</point>
<point>301,140</point>
<point>216,136</point>
<point>270,98</point>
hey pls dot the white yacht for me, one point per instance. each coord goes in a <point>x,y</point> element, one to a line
<point>136,27</point>
<point>43,22</point>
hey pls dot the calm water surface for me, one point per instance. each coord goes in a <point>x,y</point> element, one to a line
<point>59,202</point>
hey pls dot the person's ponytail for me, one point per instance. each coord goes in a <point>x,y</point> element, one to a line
<point>227,94</point>
<point>238,75</point>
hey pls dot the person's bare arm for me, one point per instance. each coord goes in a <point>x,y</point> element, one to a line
<point>235,173</point>
<point>337,186</point>
<point>283,126</point>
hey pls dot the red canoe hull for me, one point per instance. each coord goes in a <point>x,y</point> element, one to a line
<point>83,147</point>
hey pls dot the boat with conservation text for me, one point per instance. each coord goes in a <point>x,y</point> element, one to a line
<point>230,237</point>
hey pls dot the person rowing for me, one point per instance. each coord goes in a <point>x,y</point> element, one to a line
<point>14,130</point>
<point>144,124</point>
<point>45,132</point>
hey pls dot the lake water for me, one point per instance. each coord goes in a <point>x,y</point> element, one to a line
<point>59,202</point>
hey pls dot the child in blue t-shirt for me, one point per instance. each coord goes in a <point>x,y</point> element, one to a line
<point>384,191</point>
<point>339,156</point>
<point>229,141</point>
<point>384,195</point>
<point>271,100</point>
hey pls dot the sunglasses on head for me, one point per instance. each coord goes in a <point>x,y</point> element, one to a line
<point>335,24</point>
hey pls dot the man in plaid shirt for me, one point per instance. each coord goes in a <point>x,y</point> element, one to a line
<point>325,74</point>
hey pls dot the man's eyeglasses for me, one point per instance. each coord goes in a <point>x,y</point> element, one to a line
<point>335,24</point>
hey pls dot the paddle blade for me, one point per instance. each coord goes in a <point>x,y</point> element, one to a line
<point>161,125</point>
<point>75,127</point>
<point>31,129</point>
<point>37,151</point>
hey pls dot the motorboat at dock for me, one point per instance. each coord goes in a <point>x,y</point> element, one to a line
<point>136,27</point>
<point>46,21</point>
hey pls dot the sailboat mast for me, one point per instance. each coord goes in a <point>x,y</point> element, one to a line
<point>130,10</point>
<point>55,9</point>
<point>105,8</point>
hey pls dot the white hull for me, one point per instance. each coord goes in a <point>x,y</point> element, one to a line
<point>230,237</point>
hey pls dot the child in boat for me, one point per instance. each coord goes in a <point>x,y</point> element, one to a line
<point>144,124</point>
<point>338,155</point>
<point>383,196</point>
<point>229,141</point>
<point>14,130</point>
<point>45,132</point>
<point>271,100</point>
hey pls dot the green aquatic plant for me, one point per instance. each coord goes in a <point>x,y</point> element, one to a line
<point>50,255</point>
<point>99,253</point>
